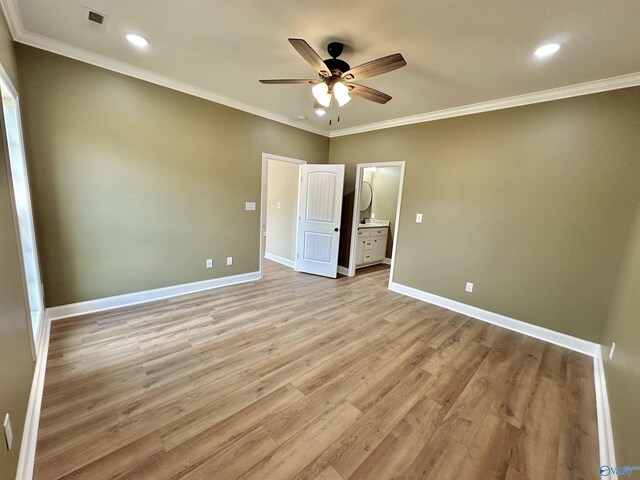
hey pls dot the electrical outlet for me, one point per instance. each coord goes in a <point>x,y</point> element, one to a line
<point>373,215</point>
<point>469,287</point>
<point>8,432</point>
<point>613,348</point>
<point>229,261</point>
<point>209,262</point>
<point>418,218</point>
<point>278,204</point>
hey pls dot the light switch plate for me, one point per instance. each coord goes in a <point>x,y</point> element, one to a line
<point>8,432</point>
<point>469,287</point>
<point>229,260</point>
<point>418,218</point>
<point>250,205</point>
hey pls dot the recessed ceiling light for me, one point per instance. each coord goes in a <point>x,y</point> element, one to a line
<point>137,40</point>
<point>320,112</point>
<point>546,50</point>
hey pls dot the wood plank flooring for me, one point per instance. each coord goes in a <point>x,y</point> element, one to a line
<point>302,377</point>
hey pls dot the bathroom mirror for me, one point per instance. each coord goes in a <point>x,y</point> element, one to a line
<point>366,195</point>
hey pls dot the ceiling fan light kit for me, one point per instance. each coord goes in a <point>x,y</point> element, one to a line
<point>341,93</point>
<point>336,76</point>
<point>322,94</point>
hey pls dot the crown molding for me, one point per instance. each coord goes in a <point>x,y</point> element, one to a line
<point>21,35</point>
<point>596,86</point>
<point>85,56</point>
<point>12,17</point>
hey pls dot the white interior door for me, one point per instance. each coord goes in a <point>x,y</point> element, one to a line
<point>319,212</point>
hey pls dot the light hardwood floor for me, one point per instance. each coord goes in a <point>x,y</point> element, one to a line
<point>302,377</point>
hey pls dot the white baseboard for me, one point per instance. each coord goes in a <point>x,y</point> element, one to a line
<point>343,270</point>
<point>128,299</point>
<point>605,432</point>
<point>386,261</point>
<point>26,460</point>
<point>551,336</point>
<point>281,260</point>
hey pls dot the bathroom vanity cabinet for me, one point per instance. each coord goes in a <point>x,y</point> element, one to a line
<point>371,245</point>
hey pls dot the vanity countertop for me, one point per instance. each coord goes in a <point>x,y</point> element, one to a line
<point>374,224</point>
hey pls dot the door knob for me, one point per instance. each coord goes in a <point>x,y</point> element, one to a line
<point>335,229</point>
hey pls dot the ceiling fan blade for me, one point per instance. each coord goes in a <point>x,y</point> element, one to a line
<point>375,67</point>
<point>290,81</point>
<point>368,93</point>
<point>310,55</point>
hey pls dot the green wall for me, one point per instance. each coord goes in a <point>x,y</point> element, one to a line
<point>623,371</point>
<point>16,364</point>
<point>532,204</point>
<point>135,185</point>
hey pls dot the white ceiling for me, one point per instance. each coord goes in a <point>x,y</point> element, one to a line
<point>458,52</point>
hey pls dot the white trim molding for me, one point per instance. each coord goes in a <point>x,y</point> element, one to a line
<point>360,167</point>
<point>587,88</point>
<point>605,431</point>
<point>281,260</point>
<point>386,261</point>
<point>129,299</point>
<point>541,333</point>
<point>344,271</point>
<point>27,458</point>
<point>22,35</point>
<point>264,187</point>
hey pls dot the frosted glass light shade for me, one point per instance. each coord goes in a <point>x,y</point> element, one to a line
<point>321,93</point>
<point>341,92</point>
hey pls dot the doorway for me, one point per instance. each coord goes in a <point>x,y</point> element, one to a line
<point>279,207</point>
<point>300,212</point>
<point>21,200</point>
<point>376,213</point>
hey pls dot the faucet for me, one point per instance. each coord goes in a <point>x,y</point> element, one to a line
<point>364,220</point>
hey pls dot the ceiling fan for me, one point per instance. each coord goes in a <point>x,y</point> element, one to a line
<point>337,77</point>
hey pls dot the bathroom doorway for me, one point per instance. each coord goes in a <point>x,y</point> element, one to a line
<point>376,213</point>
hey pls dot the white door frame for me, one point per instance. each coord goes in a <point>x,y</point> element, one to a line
<point>356,214</point>
<point>263,198</point>
<point>36,338</point>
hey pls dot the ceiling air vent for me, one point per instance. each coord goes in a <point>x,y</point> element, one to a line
<point>96,17</point>
<point>97,21</point>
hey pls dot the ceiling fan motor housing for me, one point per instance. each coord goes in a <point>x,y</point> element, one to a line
<point>336,66</point>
